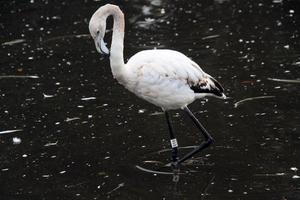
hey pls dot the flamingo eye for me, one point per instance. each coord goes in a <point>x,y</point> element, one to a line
<point>97,32</point>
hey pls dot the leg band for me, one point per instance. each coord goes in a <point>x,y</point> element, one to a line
<point>174,143</point>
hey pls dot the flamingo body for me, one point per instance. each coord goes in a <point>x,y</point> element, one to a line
<point>167,79</point>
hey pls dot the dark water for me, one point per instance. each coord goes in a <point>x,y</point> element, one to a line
<point>81,134</point>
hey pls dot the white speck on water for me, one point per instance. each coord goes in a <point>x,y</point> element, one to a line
<point>107,157</point>
<point>296,177</point>
<point>13,42</point>
<point>149,20</point>
<point>230,191</point>
<point>291,11</point>
<point>88,98</point>
<point>4,169</point>
<point>277,1</point>
<point>103,105</point>
<point>47,95</point>
<point>71,119</point>
<point>90,116</point>
<point>57,83</point>
<point>46,176</point>
<point>210,37</point>
<point>286,46</point>
<point>24,155</point>
<point>10,131</point>
<point>18,76</point>
<point>141,111</point>
<point>62,172</point>
<point>294,169</point>
<point>16,140</point>
<point>51,144</point>
<point>279,23</point>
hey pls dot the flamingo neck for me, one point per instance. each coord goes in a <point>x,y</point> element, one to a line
<point>117,44</point>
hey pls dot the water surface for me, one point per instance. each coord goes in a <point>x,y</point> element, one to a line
<point>80,135</point>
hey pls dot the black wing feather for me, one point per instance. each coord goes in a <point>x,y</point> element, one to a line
<point>208,85</point>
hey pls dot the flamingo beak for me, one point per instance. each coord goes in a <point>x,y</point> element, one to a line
<point>101,45</point>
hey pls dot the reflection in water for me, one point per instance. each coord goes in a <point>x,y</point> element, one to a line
<point>83,149</point>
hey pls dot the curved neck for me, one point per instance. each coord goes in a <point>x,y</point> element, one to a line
<point>117,43</point>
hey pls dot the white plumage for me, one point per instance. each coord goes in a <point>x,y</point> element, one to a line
<point>165,78</point>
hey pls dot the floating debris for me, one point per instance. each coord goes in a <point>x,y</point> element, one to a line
<point>10,131</point>
<point>210,37</point>
<point>251,98</point>
<point>294,169</point>
<point>118,187</point>
<point>19,76</point>
<point>103,105</point>
<point>285,80</point>
<point>71,119</point>
<point>16,41</point>
<point>16,140</point>
<point>153,161</point>
<point>286,46</point>
<point>296,63</point>
<point>51,144</point>
<point>47,95</point>
<point>141,111</point>
<point>88,98</point>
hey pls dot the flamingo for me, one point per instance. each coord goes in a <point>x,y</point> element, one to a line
<point>163,77</point>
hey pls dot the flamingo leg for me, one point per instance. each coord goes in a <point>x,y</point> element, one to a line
<point>173,141</point>
<point>207,137</point>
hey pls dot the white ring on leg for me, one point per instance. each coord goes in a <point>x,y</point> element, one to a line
<point>174,143</point>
